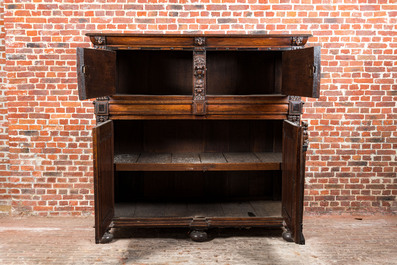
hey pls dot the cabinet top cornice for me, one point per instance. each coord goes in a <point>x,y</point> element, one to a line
<point>130,40</point>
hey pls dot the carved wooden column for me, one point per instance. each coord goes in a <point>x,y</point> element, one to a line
<point>199,76</point>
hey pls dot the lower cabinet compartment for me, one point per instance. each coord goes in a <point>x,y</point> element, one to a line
<point>180,195</point>
<point>155,174</point>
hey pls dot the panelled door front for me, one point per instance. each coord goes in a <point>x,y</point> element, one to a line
<point>103,177</point>
<point>293,180</point>
<point>96,73</point>
<point>301,72</point>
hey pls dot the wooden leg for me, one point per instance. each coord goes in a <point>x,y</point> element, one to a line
<point>107,238</point>
<point>198,235</point>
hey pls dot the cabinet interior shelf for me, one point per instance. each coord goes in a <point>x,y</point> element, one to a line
<point>197,161</point>
<point>253,208</point>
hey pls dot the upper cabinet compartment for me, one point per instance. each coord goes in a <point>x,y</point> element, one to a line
<point>287,72</point>
<point>238,65</point>
<point>243,72</point>
<point>153,72</point>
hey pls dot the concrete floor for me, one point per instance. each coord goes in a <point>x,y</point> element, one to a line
<point>329,240</point>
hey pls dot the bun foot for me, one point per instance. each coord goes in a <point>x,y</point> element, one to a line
<point>287,236</point>
<point>107,238</point>
<point>198,236</point>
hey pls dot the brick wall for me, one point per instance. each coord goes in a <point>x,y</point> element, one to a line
<point>5,198</point>
<point>352,158</point>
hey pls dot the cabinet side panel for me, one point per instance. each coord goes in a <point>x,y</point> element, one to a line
<point>292,179</point>
<point>103,178</point>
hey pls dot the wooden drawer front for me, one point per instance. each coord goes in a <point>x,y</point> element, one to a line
<point>248,42</point>
<point>149,42</point>
<point>247,105</point>
<point>122,105</point>
<point>153,109</point>
<point>247,109</point>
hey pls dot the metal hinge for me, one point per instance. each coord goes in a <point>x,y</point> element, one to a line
<point>312,70</point>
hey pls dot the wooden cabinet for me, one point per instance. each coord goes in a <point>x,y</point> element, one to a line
<point>199,131</point>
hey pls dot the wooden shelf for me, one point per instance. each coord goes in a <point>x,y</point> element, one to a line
<point>197,161</point>
<point>254,208</point>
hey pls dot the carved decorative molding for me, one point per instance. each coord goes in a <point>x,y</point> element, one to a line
<point>101,107</point>
<point>294,98</point>
<point>294,118</point>
<point>297,41</point>
<point>199,41</point>
<point>100,40</point>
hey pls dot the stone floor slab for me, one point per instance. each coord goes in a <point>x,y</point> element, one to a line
<point>329,240</point>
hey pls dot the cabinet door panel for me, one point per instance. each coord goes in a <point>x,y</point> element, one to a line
<point>96,73</point>
<point>293,179</point>
<point>301,72</point>
<point>103,177</point>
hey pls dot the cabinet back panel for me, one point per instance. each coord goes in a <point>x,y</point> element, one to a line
<point>197,136</point>
<point>155,72</point>
<point>182,186</point>
<point>242,72</point>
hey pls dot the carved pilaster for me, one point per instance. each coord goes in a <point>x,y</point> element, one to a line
<point>199,76</point>
<point>294,109</point>
<point>101,107</point>
<point>305,126</point>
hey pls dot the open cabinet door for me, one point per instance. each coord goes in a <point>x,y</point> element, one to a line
<point>293,166</point>
<point>301,72</point>
<point>103,179</point>
<point>96,73</point>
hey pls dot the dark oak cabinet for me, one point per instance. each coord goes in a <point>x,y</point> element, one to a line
<point>199,131</point>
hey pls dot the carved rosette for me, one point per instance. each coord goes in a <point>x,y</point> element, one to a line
<point>101,107</point>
